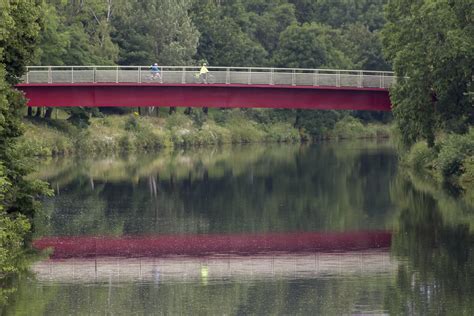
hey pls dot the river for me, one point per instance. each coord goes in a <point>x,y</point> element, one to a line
<point>329,228</point>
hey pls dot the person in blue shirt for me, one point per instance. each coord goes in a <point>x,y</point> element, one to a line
<point>155,72</point>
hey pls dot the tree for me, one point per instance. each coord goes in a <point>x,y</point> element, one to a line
<point>310,46</point>
<point>272,23</point>
<point>19,28</point>
<point>159,31</point>
<point>222,41</point>
<point>364,47</point>
<point>431,47</point>
<point>342,12</point>
<point>54,40</point>
<point>88,24</point>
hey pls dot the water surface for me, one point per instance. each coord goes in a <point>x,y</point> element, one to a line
<point>331,228</point>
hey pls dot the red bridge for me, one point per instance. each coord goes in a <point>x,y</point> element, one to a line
<point>226,87</point>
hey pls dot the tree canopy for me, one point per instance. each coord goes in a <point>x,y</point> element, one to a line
<point>431,47</point>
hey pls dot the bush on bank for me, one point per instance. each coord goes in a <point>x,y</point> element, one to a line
<point>350,127</point>
<point>452,157</point>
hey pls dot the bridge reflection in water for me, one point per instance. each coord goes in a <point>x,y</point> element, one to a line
<point>213,257</point>
<point>214,268</point>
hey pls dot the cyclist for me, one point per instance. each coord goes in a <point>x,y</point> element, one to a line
<point>203,73</point>
<point>155,72</point>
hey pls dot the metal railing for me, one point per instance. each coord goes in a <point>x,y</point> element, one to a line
<point>216,75</point>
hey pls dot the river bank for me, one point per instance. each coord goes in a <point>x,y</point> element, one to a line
<point>134,133</point>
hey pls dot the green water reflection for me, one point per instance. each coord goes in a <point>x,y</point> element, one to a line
<point>239,189</point>
<point>350,186</point>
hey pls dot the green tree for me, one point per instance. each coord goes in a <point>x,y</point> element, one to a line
<point>88,25</point>
<point>310,46</point>
<point>274,20</point>
<point>431,47</point>
<point>152,31</point>
<point>19,26</point>
<point>222,41</point>
<point>364,47</point>
<point>341,12</point>
<point>54,40</point>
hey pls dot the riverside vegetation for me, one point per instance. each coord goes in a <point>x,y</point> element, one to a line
<point>131,133</point>
<point>451,159</point>
<point>431,47</point>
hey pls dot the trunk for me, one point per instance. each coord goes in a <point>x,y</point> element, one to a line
<point>48,113</point>
<point>172,110</point>
<point>188,111</point>
<point>30,111</point>
<point>109,10</point>
<point>297,120</point>
<point>38,112</point>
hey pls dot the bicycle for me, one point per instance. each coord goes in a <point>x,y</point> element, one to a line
<point>207,78</point>
<point>154,77</point>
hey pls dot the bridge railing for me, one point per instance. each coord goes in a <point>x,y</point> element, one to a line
<point>220,75</point>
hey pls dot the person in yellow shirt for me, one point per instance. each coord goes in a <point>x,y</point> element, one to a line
<point>203,73</point>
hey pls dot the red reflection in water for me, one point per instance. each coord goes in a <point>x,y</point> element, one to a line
<point>200,245</point>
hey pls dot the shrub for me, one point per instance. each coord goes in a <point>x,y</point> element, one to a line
<point>132,124</point>
<point>258,115</point>
<point>467,178</point>
<point>315,124</point>
<point>244,131</point>
<point>454,149</point>
<point>178,120</point>
<point>125,144</point>
<point>79,118</point>
<point>149,140</point>
<point>282,132</point>
<point>420,156</point>
<point>13,229</point>
<point>350,127</point>
<point>199,118</point>
<point>44,140</point>
<point>221,116</point>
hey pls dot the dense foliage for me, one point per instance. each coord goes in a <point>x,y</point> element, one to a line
<point>431,46</point>
<point>19,28</point>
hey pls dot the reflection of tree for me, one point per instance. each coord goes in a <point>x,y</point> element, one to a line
<point>437,273</point>
<point>246,189</point>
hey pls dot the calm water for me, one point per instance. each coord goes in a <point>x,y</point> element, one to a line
<point>333,228</point>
